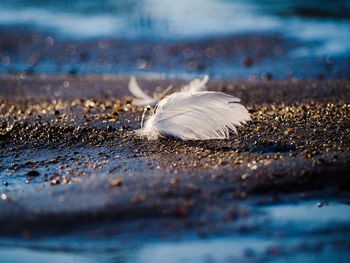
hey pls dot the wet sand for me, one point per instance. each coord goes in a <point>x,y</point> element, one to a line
<point>246,55</point>
<point>71,164</point>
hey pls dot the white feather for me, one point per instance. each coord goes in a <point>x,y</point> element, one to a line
<point>196,85</point>
<point>141,97</point>
<point>198,115</point>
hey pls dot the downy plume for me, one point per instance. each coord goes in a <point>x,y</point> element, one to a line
<point>142,98</point>
<point>195,115</point>
<point>196,85</point>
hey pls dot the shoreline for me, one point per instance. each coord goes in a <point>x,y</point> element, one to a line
<point>247,55</point>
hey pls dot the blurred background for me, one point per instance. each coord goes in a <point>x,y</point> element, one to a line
<point>184,38</point>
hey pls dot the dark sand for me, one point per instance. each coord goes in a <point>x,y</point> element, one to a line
<point>69,159</point>
<point>242,56</point>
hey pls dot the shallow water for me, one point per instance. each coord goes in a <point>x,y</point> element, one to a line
<point>326,22</point>
<point>306,231</point>
<point>222,38</point>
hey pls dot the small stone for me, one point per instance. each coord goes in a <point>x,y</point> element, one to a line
<point>33,173</point>
<point>116,107</point>
<point>116,182</point>
<point>175,180</point>
<point>244,176</point>
<point>54,182</point>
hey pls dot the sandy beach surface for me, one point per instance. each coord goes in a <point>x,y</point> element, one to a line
<point>74,177</point>
<point>76,183</point>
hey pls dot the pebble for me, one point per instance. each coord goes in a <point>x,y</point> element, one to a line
<point>33,173</point>
<point>116,182</point>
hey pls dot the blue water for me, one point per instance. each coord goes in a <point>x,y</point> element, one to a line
<point>323,21</point>
<point>301,232</point>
